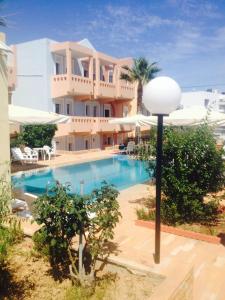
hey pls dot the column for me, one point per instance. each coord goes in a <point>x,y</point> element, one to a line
<point>97,75</point>
<point>4,119</point>
<point>90,68</point>
<point>69,61</point>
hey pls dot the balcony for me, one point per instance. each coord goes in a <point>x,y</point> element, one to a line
<point>73,85</point>
<point>105,90</point>
<point>126,90</point>
<point>89,125</point>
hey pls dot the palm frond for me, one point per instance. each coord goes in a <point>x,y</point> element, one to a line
<point>125,76</point>
<point>2,22</point>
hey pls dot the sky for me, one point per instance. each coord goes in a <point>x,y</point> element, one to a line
<point>185,37</point>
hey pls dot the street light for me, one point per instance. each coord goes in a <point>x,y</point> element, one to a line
<point>161,96</point>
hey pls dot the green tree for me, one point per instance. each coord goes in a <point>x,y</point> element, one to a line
<point>141,73</point>
<point>38,135</point>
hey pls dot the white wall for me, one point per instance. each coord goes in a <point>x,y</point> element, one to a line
<point>198,98</point>
<point>35,67</point>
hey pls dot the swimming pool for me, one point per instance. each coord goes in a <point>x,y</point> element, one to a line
<point>118,170</point>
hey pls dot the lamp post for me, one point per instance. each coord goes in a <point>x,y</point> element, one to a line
<point>161,96</point>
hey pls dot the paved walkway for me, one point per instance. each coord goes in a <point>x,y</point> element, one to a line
<point>137,244</point>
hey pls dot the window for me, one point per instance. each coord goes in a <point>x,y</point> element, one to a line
<point>86,144</point>
<point>68,109</point>
<point>57,108</point>
<point>87,110</point>
<point>85,73</point>
<point>109,140</point>
<point>110,76</point>
<point>95,111</point>
<point>125,111</point>
<point>70,147</point>
<point>107,113</point>
<point>57,68</point>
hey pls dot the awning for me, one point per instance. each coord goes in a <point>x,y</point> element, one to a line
<point>27,116</point>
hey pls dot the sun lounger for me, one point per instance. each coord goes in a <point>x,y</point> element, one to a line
<point>18,155</point>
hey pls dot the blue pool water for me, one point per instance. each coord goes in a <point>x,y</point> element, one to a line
<point>118,170</point>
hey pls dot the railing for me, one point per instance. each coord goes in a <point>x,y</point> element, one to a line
<point>66,85</point>
<point>126,90</point>
<point>63,85</point>
<point>90,125</point>
<point>107,89</point>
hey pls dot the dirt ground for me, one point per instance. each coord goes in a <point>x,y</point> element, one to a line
<point>28,276</point>
<point>18,167</point>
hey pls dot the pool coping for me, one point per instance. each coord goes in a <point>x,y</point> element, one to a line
<point>58,165</point>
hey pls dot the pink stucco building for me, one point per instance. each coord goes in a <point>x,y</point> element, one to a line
<point>72,78</point>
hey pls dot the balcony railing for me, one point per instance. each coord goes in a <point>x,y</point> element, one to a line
<point>90,125</point>
<point>63,85</point>
<point>126,90</point>
<point>106,89</point>
<point>75,85</point>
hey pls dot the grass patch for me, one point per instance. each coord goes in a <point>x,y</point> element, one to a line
<point>92,293</point>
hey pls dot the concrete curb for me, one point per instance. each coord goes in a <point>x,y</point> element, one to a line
<point>181,232</point>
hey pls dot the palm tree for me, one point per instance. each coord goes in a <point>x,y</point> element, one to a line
<point>141,72</point>
<point>2,19</point>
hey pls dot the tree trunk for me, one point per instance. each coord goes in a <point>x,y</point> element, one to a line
<point>139,98</point>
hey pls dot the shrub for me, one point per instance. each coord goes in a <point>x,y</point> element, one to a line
<point>37,135</point>
<point>192,167</point>
<point>64,216</point>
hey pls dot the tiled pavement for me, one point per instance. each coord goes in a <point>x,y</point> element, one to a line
<point>136,243</point>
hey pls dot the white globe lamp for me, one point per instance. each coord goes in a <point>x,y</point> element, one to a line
<point>161,95</point>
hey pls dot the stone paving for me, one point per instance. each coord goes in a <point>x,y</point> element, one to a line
<point>136,243</point>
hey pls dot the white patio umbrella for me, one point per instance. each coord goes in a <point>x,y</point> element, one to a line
<point>191,116</point>
<point>135,120</point>
<point>25,116</point>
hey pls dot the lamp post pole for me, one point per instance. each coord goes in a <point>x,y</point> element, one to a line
<point>161,96</point>
<point>158,188</point>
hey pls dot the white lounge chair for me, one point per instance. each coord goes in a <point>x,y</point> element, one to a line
<point>18,155</point>
<point>53,147</point>
<point>129,149</point>
<point>48,151</point>
<point>31,153</point>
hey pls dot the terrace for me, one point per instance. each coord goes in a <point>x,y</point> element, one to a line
<point>87,74</point>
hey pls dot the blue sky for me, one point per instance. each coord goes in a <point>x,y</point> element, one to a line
<point>186,37</point>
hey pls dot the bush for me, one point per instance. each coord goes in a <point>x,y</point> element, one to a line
<point>192,167</point>
<point>65,216</point>
<point>37,135</point>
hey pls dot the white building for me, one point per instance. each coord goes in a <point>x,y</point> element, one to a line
<point>209,98</point>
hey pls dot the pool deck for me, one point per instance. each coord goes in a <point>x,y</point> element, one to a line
<point>135,245</point>
<point>68,159</point>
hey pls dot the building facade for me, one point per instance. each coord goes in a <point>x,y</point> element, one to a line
<point>209,99</point>
<point>74,79</point>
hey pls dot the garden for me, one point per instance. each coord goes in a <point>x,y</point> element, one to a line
<point>67,257</point>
